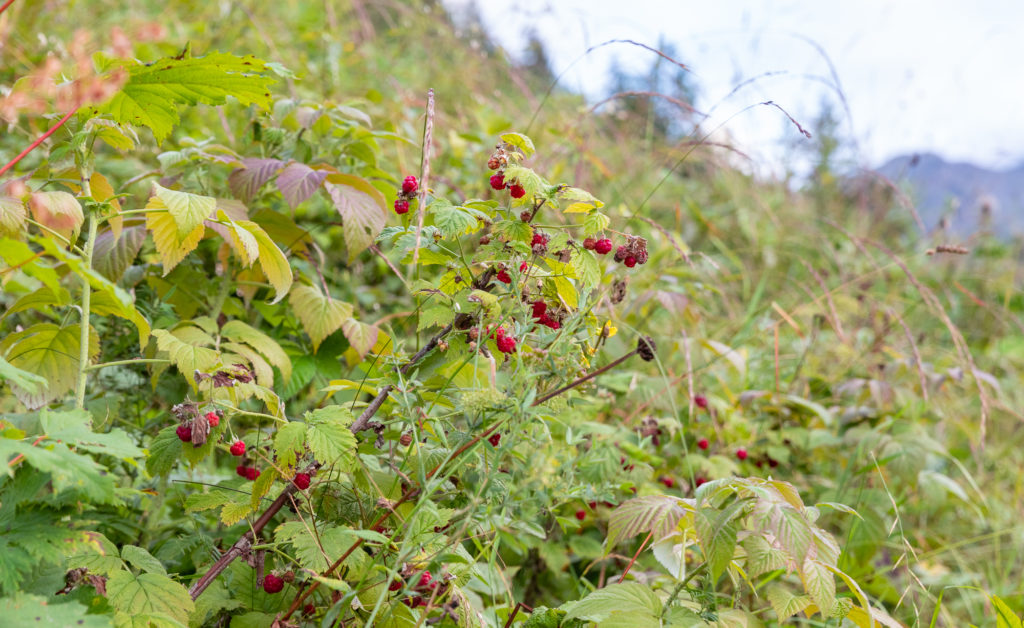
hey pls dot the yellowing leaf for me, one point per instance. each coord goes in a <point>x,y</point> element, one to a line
<point>50,352</point>
<point>362,207</point>
<point>58,211</point>
<point>243,242</point>
<point>237,330</point>
<point>361,336</point>
<point>188,357</point>
<point>165,235</point>
<point>320,314</point>
<point>188,210</point>
<point>12,216</point>
<point>272,260</point>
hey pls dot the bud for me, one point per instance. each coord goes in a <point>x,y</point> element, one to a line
<point>406,439</point>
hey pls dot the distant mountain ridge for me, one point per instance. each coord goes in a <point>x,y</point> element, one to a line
<point>960,191</point>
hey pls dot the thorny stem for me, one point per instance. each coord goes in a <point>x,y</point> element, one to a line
<point>585,378</point>
<point>83,350</point>
<point>679,588</point>
<point>42,137</point>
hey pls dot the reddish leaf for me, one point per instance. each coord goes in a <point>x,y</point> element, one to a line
<point>246,181</point>
<point>297,182</point>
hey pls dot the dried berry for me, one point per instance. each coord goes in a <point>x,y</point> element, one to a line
<point>590,244</point>
<point>645,348</point>
<point>405,439</point>
<point>621,253</point>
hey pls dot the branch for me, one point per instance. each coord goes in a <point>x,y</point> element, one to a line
<point>42,137</point>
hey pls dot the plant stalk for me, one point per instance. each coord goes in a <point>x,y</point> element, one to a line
<point>83,350</point>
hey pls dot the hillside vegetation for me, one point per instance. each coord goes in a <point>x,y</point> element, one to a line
<point>241,385</point>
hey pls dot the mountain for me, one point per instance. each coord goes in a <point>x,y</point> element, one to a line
<point>960,191</point>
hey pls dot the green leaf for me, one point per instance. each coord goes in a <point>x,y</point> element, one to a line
<point>50,352</point>
<point>320,314</point>
<point>513,230</point>
<point>33,610</point>
<point>627,597</point>
<point>328,435</point>
<point>315,551</point>
<point>717,537</point>
<point>289,440</point>
<point>140,558</point>
<point>188,210</point>
<point>587,268</point>
<point>786,603</point>
<point>362,207</point>
<point>188,355</point>
<point>149,593</point>
<point>163,452</point>
<point>595,223</point>
<point>520,141</point>
<point>580,201</point>
<point>153,92</point>
<point>12,216</point>
<point>68,470</point>
<point>29,382</point>
<point>75,426</point>
<point>453,220</point>
<point>436,316</point>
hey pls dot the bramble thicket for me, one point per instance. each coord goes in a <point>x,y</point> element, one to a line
<point>329,314</point>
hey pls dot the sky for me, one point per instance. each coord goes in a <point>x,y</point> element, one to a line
<point>916,75</point>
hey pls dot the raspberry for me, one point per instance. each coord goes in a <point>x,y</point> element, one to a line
<point>621,253</point>
<point>699,480</point>
<point>213,419</point>
<point>301,481</point>
<point>589,244</point>
<point>251,473</point>
<point>308,609</point>
<point>516,190</point>
<point>630,262</point>
<point>592,505</point>
<point>741,454</point>
<point>499,333</point>
<point>184,433</point>
<point>667,481</point>
<point>504,277</point>
<point>603,246</point>
<point>703,443</point>
<point>539,238</point>
<point>507,344</point>
<point>498,182</point>
<point>581,514</point>
<point>641,256</point>
<point>395,585</point>
<point>549,322</point>
<point>273,584</point>
<point>238,448</point>
<point>700,401</point>
<point>539,309</point>
<point>494,163</point>
<point>240,470</point>
<point>424,579</point>
<point>523,267</point>
<point>409,185</point>
<point>401,206</point>
<point>494,439</point>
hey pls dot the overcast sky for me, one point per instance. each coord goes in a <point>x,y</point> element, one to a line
<point>918,75</point>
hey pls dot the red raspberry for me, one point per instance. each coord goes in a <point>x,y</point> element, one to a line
<point>507,344</point>
<point>308,609</point>
<point>240,470</point>
<point>238,448</point>
<point>184,432</point>
<point>772,462</point>
<point>549,322</point>
<point>593,505</point>
<point>498,181</point>
<point>741,454</point>
<point>700,401</point>
<point>581,514</point>
<point>699,480</point>
<point>251,473</point>
<point>301,481</point>
<point>630,262</point>
<point>424,579</point>
<point>395,585</point>
<point>667,481</point>
<point>621,253</point>
<point>499,333</point>
<point>516,190</point>
<point>273,584</point>
<point>409,185</point>
<point>504,277</point>
<point>523,267</point>
<point>539,309</point>
<point>589,244</point>
<point>494,439</point>
<point>213,419</point>
<point>603,246</point>
<point>401,206</point>
<point>703,443</point>
<point>539,238</point>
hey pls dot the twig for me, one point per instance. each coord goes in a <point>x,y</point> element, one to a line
<point>428,139</point>
<point>6,4</point>
<point>635,556</point>
<point>585,378</point>
<point>42,137</point>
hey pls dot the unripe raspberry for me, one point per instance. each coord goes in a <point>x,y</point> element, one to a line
<point>498,181</point>
<point>603,246</point>
<point>621,253</point>
<point>409,185</point>
<point>273,584</point>
<point>401,206</point>
<point>504,277</point>
<point>700,401</point>
<point>213,419</point>
<point>405,439</point>
<point>581,515</point>
<point>301,481</point>
<point>238,448</point>
<point>494,163</point>
<point>184,433</point>
<point>517,191</point>
<point>741,454</point>
<point>589,243</point>
<point>494,439</point>
<point>630,262</point>
<point>703,443</point>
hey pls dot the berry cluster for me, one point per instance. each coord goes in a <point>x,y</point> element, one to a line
<point>494,439</point>
<point>247,472</point>
<point>633,252</point>
<point>506,343</point>
<point>601,247</point>
<point>426,586</point>
<point>498,160</point>
<point>409,187</point>
<point>540,314</point>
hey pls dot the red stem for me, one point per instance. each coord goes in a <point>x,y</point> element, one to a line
<point>42,137</point>
<point>6,4</point>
